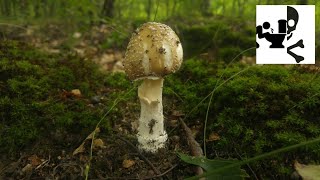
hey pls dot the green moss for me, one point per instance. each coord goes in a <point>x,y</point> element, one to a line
<point>225,38</point>
<point>33,102</point>
<point>114,40</point>
<point>260,110</point>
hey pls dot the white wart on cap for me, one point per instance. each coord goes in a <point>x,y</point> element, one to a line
<point>154,51</point>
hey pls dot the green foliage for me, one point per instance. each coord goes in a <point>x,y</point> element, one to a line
<point>212,164</point>
<point>225,37</point>
<point>34,98</point>
<point>262,109</point>
<point>226,164</point>
<point>114,40</point>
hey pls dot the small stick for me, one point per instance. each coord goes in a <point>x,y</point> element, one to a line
<point>193,144</point>
<point>43,163</point>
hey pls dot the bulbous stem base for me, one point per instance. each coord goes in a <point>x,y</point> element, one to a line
<point>151,134</point>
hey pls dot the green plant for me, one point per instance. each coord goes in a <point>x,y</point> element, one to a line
<point>219,169</point>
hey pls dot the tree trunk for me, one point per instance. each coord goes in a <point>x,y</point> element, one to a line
<point>108,8</point>
<point>240,8</point>
<point>119,8</point>
<point>205,7</point>
<point>6,8</point>
<point>223,7</point>
<point>233,7</point>
<point>148,9</point>
<point>167,7</point>
<point>24,8</point>
<point>174,8</point>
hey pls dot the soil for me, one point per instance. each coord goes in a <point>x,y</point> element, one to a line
<point>114,156</point>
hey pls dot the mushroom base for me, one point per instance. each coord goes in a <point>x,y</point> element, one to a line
<point>151,134</point>
<point>152,145</point>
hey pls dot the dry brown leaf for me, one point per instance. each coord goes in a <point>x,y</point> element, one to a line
<point>213,137</point>
<point>76,92</point>
<point>34,160</point>
<point>27,168</point>
<point>98,143</point>
<point>177,113</point>
<point>194,131</point>
<point>308,172</point>
<point>76,35</point>
<point>127,163</point>
<point>81,148</point>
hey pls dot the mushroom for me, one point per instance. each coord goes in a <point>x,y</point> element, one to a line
<point>154,51</point>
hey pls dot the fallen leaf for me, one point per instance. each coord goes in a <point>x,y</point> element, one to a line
<point>81,148</point>
<point>127,163</point>
<point>213,137</point>
<point>27,168</point>
<point>34,160</point>
<point>98,143</point>
<point>177,113</point>
<point>194,131</point>
<point>308,172</point>
<point>76,92</point>
<point>76,35</point>
<point>173,123</point>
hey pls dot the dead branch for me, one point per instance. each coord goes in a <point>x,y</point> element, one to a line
<point>195,147</point>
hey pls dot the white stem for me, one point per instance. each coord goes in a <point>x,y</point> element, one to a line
<point>151,134</point>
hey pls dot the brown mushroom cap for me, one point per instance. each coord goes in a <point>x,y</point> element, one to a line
<point>154,51</point>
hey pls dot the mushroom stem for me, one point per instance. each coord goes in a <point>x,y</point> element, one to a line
<point>151,134</point>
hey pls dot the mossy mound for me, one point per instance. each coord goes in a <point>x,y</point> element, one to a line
<point>36,100</point>
<point>259,110</point>
<point>222,38</point>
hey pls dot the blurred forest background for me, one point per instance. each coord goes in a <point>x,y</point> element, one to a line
<point>225,24</point>
<point>59,64</point>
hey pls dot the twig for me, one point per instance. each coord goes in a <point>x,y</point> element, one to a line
<point>141,155</point>
<point>43,163</point>
<point>193,144</point>
<point>66,165</point>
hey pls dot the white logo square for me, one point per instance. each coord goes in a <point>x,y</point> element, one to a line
<point>285,34</point>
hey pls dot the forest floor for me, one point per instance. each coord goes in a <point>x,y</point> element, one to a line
<point>114,155</point>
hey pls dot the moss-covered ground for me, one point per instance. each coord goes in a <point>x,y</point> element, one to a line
<point>257,109</point>
<point>261,109</point>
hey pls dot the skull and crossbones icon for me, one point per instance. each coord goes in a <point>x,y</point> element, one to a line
<point>286,28</point>
<point>292,21</point>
